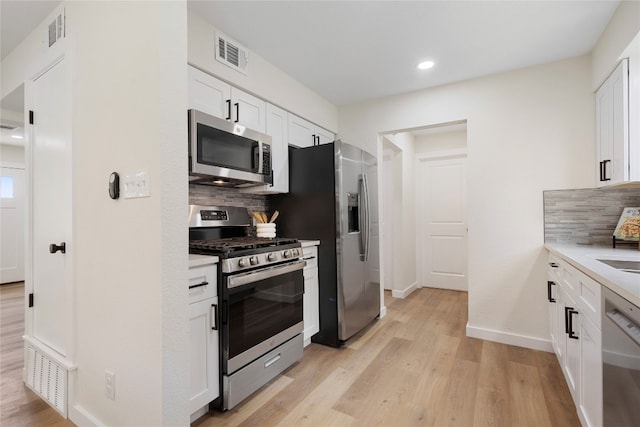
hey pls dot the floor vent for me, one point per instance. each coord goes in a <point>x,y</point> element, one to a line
<point>46,378</point>
<point>231,53</point>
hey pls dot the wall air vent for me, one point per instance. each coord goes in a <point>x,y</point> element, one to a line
<point>56,29</point>
<point>232,53</point>
<point>46,378</point>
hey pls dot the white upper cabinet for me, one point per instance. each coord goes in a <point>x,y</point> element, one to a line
<point>220,99</point>
<point>612,128</point>
<point>303,133</point>
<point>278,130</point>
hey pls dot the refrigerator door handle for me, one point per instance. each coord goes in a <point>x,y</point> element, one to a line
<point>367,217</point>
<point>361,214</point>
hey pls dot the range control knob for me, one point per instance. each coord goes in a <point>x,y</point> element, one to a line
<point>295,252</point>
<point>254,260</point>
<point>242,262</point>
<point>272,257</point>
<point>287,254</point>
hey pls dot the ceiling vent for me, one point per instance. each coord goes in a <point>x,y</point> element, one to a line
<point>231,53</point>
<point>56,29</point>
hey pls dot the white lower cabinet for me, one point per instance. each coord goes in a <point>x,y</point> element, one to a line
<point>576,336</point>
<point>203,347</point>
<point>590,406</point>
<point>311,299</point>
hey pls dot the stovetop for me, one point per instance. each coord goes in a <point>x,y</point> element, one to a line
<point>239,246</point>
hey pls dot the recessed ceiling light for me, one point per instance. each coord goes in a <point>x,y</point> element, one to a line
<point>425,65</point>
<point>17,136</point>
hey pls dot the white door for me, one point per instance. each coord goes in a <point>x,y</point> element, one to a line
<point>442,221</point>
<point>249,110</point>
<point>12,197</point>
<point>208,94</point>
<point>51,221</point>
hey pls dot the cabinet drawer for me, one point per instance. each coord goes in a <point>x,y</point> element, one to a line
<point>310,255</point>
<point>589,292</point>
<point>202,282</point>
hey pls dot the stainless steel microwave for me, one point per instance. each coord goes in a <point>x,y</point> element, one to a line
<point>226,153</point>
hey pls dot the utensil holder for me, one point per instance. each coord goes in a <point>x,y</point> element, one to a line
<point>266,230</point>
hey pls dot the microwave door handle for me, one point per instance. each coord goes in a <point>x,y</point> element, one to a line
<point>259,157</point>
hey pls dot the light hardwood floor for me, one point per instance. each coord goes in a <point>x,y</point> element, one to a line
<point>415,367</point>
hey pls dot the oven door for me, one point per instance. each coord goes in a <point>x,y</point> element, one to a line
<point>261,310</point>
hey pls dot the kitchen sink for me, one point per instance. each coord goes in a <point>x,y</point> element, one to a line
<point>622,265</point>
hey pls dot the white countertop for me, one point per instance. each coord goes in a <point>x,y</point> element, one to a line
<point>307,243</point>
<point>200,260</point>
<point>585,258</point>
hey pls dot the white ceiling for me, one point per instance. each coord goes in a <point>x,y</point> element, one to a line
<point>350,51</point>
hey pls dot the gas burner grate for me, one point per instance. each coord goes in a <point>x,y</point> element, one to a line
<point>234,244</point>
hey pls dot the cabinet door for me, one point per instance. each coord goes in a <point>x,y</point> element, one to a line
<point>612,127</point>
<point>324,136</point>
<point>619,124</point>
<point>203,354</point>
<point>552,289</point>
<point>248,110</point>
<point>572,349</point>
<point>208,94</point>
<point>300,132</point>
<point>590,403</point>
<point>311,301</point>
<point>603,131</point>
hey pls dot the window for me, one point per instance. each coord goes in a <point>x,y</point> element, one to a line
<point>6,187</point>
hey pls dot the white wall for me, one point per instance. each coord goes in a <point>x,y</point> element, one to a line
<point>11,155</point>
<point>441,141</point>
<point>130,98</point>
<point>263,80</point>
<point>622,28</point>
<point>404,268</point>
<point>527,131</point>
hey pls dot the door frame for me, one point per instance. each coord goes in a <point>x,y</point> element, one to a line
<point>420,227</point>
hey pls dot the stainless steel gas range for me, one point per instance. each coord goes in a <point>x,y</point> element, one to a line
<point>261,286</point>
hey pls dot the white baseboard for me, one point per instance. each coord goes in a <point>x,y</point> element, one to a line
<point>403,293</point>
<point>80,417</point>
<point>383,311</point>
<point>508,338</point>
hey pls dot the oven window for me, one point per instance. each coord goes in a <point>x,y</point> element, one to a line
<point>260,310</point>
<point>224,149</point>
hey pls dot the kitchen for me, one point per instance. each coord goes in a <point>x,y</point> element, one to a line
<point>510,133</point>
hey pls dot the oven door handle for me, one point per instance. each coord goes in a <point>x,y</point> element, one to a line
<point>255,276</point>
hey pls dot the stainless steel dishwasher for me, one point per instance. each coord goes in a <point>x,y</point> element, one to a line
<point>620,361</point>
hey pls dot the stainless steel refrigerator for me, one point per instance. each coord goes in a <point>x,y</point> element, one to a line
<point>333,198</point>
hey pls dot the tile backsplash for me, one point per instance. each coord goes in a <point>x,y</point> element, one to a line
<point>221,196</point>
<point>586,216</point>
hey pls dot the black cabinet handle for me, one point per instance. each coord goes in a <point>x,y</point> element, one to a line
<point>214,317</point>
<point>604,170</point>
<point>318,138</point>
<point>314,138</point>
<point>566,319</point>
<point>571,312</point>
<point>228,101</point>
<point>549,284</point>
<point>553,265</point>
<point>601,175</point>
<point>199,285</point>
<point>237,104</point>
<point>62,247</point>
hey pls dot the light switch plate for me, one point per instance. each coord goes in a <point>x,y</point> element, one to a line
<point>136,185</point>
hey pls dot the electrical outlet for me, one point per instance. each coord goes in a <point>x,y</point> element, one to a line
<point>110,385</point>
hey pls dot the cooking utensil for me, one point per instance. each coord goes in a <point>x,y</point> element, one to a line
<point>257,216</point>
<point>264,217</point>
<point>274,216</point>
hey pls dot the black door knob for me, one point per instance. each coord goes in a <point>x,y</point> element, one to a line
<point>62,247</point>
